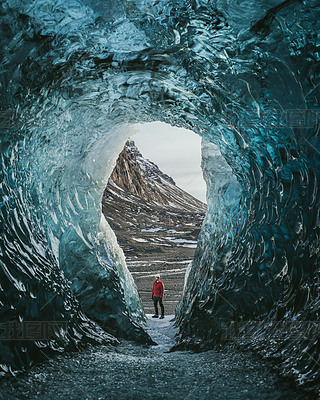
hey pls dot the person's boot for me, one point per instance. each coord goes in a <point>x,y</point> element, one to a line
<point>162,316</point>
<point>155,316</point>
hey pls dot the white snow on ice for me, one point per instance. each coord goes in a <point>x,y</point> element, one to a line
<point>162,331</point>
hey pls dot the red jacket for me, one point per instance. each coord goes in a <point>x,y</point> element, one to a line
<point>158,288</point>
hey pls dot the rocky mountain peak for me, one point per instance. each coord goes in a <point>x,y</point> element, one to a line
<point>140,176</point>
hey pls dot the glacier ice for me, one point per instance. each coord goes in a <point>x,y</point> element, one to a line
<point>75,78</point>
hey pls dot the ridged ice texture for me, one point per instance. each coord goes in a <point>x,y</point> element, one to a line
<point>74,74</point>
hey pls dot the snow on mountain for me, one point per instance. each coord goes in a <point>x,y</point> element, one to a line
<point>140,176</point>
<point>141,202</point>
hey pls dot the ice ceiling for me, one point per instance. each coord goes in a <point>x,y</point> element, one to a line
<point>75,78</point>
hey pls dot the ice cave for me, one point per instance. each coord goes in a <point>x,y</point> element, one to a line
<point>76,78</point>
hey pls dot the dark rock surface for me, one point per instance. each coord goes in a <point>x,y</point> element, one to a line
<point>156,223</point>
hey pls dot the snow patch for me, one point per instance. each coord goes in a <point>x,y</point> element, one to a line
<point>151,230</point>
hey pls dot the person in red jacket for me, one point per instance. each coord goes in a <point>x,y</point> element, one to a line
<point>157,296</point>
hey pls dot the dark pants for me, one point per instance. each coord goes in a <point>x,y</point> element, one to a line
<point>157,299</point>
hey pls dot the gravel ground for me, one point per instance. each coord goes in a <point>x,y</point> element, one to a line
<point>132,372</point>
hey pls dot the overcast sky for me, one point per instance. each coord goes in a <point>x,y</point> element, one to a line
<point>177,152</point>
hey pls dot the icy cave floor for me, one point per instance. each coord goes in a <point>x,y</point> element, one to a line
<point>132,372</point>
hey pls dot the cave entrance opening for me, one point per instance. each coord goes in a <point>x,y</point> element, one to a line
<point>155,202</point>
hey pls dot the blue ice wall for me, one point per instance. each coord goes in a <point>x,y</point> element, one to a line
<point>75,77</point>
